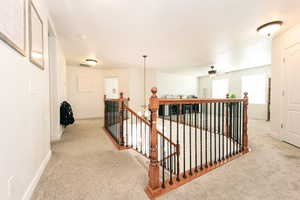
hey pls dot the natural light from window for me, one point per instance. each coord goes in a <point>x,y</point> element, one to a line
<point>220,88</point>
<point>255,85</point>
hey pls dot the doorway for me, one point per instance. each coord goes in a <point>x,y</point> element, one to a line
<point>291,95</point>
<point>111,87</point>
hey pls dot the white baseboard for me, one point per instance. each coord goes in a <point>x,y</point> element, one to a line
<point>55,138</point>
<point>35,180</point>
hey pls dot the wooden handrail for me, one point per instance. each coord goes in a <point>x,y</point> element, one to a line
<point>148,123</point>
<point>135,114</point>
<point>162,135</point>
<point>195,101</point>
<point>117,99</point>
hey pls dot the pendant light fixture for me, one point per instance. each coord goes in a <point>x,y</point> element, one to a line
<point>145,113</point>
<point>212,72</point>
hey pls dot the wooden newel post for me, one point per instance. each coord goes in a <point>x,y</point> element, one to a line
<point>153,183</point>
<point>121,106</point>
<point>245,122</point>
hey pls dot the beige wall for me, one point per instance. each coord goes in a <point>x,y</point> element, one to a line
<point>281,42</point>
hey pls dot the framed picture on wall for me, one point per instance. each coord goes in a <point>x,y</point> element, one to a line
<point>13,24</point>
<point>36,37</point>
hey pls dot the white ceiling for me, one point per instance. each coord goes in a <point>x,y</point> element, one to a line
<point>178,35</point>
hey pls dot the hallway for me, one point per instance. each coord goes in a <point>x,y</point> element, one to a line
<point>86,166</point>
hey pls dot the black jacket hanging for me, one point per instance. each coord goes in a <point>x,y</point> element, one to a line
<point>66,114</point>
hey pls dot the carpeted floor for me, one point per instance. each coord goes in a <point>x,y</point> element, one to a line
<point>86,166</point>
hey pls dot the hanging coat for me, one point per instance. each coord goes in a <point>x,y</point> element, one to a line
<point>66,114</point>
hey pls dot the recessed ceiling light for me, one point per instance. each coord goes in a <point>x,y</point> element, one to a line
<point>269,28</point>
<point>91,62</point>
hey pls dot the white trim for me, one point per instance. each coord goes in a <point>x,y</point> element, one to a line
<point>56,138</point>
<point>35,180</point>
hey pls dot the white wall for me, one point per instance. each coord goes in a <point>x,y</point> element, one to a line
<point>85,92</point>
<point>131,83</point>
<point>256,111</point>
<point>88,103</point>
<point>171,84</point>
<point>281,42</point>
<point>25,119</point>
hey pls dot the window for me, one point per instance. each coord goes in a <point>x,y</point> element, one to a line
<point>255,85</point>
<point>220,88</point>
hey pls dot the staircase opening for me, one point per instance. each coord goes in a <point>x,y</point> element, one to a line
<point>183,138</point>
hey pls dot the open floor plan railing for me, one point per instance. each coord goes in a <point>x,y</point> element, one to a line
<point>183,138</point>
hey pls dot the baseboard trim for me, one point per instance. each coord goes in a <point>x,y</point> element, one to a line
<point>36,178</point>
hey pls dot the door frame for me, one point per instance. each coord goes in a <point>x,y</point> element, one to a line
<point>53,82</point>
<point>111,77</point>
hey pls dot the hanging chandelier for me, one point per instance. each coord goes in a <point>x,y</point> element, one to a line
<point>145,112</point>
<point>212,72</point>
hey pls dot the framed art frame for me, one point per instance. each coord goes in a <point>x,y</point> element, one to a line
<point>36,37</point>
<point>13,31</point>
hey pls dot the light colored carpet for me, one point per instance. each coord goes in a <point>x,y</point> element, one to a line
<point>86,166</point>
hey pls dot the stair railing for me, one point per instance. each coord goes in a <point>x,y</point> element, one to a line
<point>188,139</point>
<point>129,130</point>
<point>208,134</point>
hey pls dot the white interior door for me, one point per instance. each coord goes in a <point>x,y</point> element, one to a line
<point>111,88</point>
<point>291,98</point>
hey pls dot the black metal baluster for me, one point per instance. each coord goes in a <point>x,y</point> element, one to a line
<point>242,125</point>
<point>215,132</point>
<point>210,132</point>
<point>201,127</point>
<point>206,132</point>
<point>126,128</point>
<point>184,121</point>
<point>136,133</point>
<point>219,129</point>
<point>140,138</point>
<point>163,149</point>
<point>177,142</point>
<point>131,129</point>
<point>227,129</point>
<point>190,138</point>
<point>230,129</point>
<point>233,128</point>
<point>223,133</point>
<point>171,157</point>
<point>196,167</point>
<point>145,139</point>
<point>114,124</point>
<point>236,128</point>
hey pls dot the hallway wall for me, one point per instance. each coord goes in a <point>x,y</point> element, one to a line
<point>25,119</point>
<point>85,91</point>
